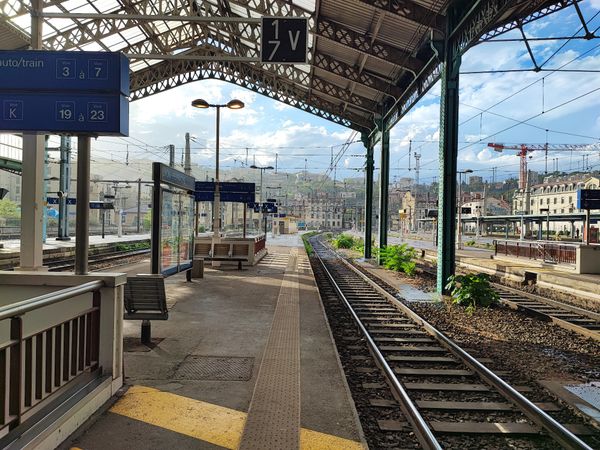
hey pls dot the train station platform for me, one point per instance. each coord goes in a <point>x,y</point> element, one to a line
<point>245,360</point>
<point>52,244</point>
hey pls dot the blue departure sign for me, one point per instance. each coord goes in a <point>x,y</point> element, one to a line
<point>65,112</point>
<point>55,201</point>
<point>73,201</point>
<point>228,192</point>
<point>64,71</point>
<point>64,92</point>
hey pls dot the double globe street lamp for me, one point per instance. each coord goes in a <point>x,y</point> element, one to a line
<point>203,104</point>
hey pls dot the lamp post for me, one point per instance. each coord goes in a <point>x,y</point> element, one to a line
<point>547,211</point>
<point>119,209</point>
<point>262,169</point>
<point>203,104</point>
<point>459,228</point>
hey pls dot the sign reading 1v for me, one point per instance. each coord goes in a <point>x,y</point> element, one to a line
<point>284,40</point>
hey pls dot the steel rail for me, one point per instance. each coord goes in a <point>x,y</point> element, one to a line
<point>422,430</point>
<point>554,428</point>
<point>532,310</point>
<point>63,264</point>
<point>567,307</point>
<point>25,306</point>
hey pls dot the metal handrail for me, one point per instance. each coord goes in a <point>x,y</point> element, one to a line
<point>25,306</point>
<point>543,241</point>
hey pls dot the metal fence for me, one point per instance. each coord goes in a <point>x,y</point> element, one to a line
<point>14,232</point>
<point>548,252</point>
<point>35,367</point>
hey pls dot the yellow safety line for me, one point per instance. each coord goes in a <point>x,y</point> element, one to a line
<point>205,421</point>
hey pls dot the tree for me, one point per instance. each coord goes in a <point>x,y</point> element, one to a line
<point>9,209</point>
<point>147,220</point>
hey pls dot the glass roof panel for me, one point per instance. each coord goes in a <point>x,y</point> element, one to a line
<point>92,47</point>
<point>239,10</point>
<point>309,5</point>
<point>23,22</point>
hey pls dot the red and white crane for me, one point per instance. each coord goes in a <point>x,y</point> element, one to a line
<point>524,149</point>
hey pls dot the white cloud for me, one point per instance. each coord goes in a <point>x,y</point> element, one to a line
<point>280,106</point>
<point>595,4</point>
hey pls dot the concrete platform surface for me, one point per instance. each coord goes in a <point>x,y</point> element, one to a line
<point>194,387</point>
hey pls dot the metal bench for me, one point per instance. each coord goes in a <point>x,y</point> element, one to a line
<point>145,300</point>
<point>239,260</point>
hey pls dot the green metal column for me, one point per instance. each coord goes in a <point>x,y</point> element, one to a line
<point>369,200</point>
<point>384,182</point>
<point>448,157</point>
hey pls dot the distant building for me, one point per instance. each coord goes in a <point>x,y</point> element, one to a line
<point>405,183</point>
<point>556,195</point>
<point>475,180</point>
<point>320,211</point>
<point>414,211</point>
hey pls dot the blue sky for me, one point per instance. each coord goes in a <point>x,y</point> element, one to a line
<point>266,127</point>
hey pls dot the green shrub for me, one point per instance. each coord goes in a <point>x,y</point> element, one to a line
<point>359,245</point>
<point>399,258</point>
<point>343,241</point>
<point>472,291</point>
<point>129,247</point>
<point>470,243</point>
<point>307,246</point>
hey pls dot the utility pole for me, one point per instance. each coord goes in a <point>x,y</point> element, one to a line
<point>417,210</point>
<point>187,166</point>
<point>63,187</point>
<point>171,155</point>
<point>139,205</point>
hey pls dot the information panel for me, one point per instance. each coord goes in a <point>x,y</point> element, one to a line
<point>588,199</point>
<point>82,93</point>
<point>284,40</point>
<point>64,113</point>
<point>64,71</point>
<point>228,192</point>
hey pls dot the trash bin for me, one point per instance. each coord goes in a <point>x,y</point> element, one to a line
<point>198,268</point>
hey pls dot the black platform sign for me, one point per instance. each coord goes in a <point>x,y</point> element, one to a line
<point>588,199</point>
<point>284,40</point>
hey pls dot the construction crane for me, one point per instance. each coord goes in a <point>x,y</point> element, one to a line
<point>524,149</point>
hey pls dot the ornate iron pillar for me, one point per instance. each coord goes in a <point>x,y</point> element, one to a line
<point>369,199</point>
<point>448,155</point>
<point>384,182</point>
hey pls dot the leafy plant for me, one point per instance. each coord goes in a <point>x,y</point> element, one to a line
<point>472,291</point>
<point>9,209</point>
<point>307,246</point>
<point>359,245</point>
<point>399,258</point>
<point>470,243</point>
<point>129,247</point>
<point>343,241</point>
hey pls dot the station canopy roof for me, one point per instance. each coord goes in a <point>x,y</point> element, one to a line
<point>367,58</point>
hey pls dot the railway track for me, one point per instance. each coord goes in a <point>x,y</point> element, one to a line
<point>441,393</point>
<point>564,315</point>
<point>95,260</point>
